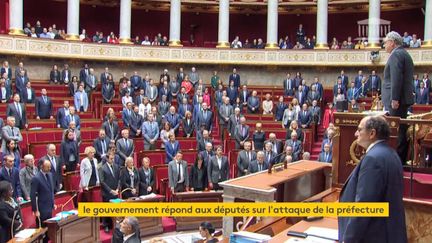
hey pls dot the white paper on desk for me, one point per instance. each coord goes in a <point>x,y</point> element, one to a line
<point>309,239</point>
<point>324,232</point>
<point>25,233</point>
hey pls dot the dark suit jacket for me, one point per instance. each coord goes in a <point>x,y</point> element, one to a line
<point>20,83</point>
<point>61,118</point>
<point>133,239</point>
<point>6,215</point>
<point>188,128</point>
<point>107,92</point>
<point>124,152</point>
<point>25,98</point>
<point>216,175</point>
<point>42,189</point>
<point>135,124</point>
<point>322,157</point>
<point>422,99</point>
<point>243,161</point>
<point>174,120</point>
<point>242,96</point>
<point>170,151</point>
<point>109,181</point>
<point>182,110</point>
<point>376,85</point>
<point>13,179</point>
<point>253,166</point>
<point>235,78</point>
<point>77,121</point>
<point>143,185</point>
<point>20,120</point>
<point>63,75</point>
<point>83,75</point>
<point>3,70</point>
<point>207,121</point>
<point>97,144</point>
<point>68,147</point>
<point>103,77</point>
<point>136,81</point>
<point>344,81</point>
<point>304,119</point>
<point>111,134</point>
<point>241,136</point>
<point>56,172</point>
<point>377,178</point>
<point>398,85</point>
<point>126,182</point>
<point>232,93</point>
<point>55,76</point>
<point>43,110</point>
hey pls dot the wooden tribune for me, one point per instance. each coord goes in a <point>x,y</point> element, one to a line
<point>36,237</point>
<point>191,223</point>
<point>74,229</point>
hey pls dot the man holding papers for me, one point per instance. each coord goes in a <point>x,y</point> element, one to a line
<point>377,178</point>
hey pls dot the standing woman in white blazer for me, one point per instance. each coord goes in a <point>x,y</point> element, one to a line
<point>89,169</point>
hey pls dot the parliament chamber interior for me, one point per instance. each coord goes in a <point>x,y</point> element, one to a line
<point>204,101</point>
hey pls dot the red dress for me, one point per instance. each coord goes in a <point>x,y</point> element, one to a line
<point>207,99</point>
<point>328,117</point>
<point>188,86</point>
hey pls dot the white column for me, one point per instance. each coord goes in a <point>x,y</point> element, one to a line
<point>223,28</point>
<point>73,12</point>
<point>16,17</point>
<point>175,23</point>
<point>374,23</point>
<point>125,21</point>
<point>322,25</point>
<point>272,24</point>
<point>428,25</point>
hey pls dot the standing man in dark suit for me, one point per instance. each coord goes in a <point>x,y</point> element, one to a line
<point>6,69</point>
<point>241,133</point>
<point>11,174</point>
<point>258,164</point>
<point>66,74</point>
<point>84,72</point>
<point>304,117</point>
<point>28,94</point>
<point>42,195</point>
<point>56,166</point>
<point>135,123</point>
<point>17,110</point>
<point>174,119</point>
<point>109,177</point>
<point>225,111</point>
<point>146,177</point>
<point>253,103</point>
<point>125,146</point>
<point>397,89</point>
<point>377,178</point>
<point>217,169</point>
<point>205,118</point>
<point>358,79</point>
<point>244,158</point>
<point>21,82</point>
<point>235,77</point>
<point>234,120</point>
<point>61,115</point>
<point>374,82</point>
<point>101,145</point>
<point>422,95</point>
<point>111,128</point>
<point>289,85</point>
<point>136,80</point>
<point>104,76</point>
<point>72,117</point>
<point>44,106</point>
<point>178,175</point>
<point>344,79</point>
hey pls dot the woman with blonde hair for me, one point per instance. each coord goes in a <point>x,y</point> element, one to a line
<point>89,169</point>
<point>296,107</point>
<point>129,179</point>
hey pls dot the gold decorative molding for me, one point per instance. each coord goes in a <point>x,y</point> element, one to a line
<point>223,45</point>
<point>125,41</point>
<point>272,46</point>
<point>356,152</point>
<point>321,46</point>
<point>72,37</point>
<point>18,32</point>
<point>34,47</point>
<point>175,43</point>
<point>427,44</point>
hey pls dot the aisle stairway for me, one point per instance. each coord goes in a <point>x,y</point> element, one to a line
<point>316,146</point>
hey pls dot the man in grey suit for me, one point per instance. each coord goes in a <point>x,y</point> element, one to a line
<point>217,169</point>
<point>90,83</point>
<point>377,178</point>
<point>151,91</point>
<point>244,158</point>
<point>241,133</point>
<point>163,106</point>
<point>225,112</point>
<point>234,120</point>
<point>258,164</point>
<point>397,89</point>
<point>150,131</point>
<point>125,146</point>
<point>10,132</point>
<point>178,175</point>
<point>205,118</point>
<point>193,76</point>
<point>17,110</point>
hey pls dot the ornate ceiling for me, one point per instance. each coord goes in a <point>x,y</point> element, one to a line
<point>259,6</point>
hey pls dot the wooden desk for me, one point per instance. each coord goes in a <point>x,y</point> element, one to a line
<point>74,229</point>
<point>192,223</point>
<point>149,225</point>
<point>302,226</point>
<point>36,237</point>
<point>301,180</point>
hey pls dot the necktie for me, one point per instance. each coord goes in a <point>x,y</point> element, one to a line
<point>259,167</point>
<point>103,147</point>
<point>48,181</point>
<point>53,162</point>
<point>173,146</point>
<point>326,157</point>
<point>249,155</point>
<point>289,84</point>
<point>111,170</point>
<point>268,157</point>
<point>126,143</point>
<point>10,172</point>
<point>179,172</point>
<point>72,118</point>
<point>131,174</point>
<point>205,115</point>
<point>18,107</point>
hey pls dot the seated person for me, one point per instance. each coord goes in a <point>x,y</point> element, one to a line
<point>326,155</point>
